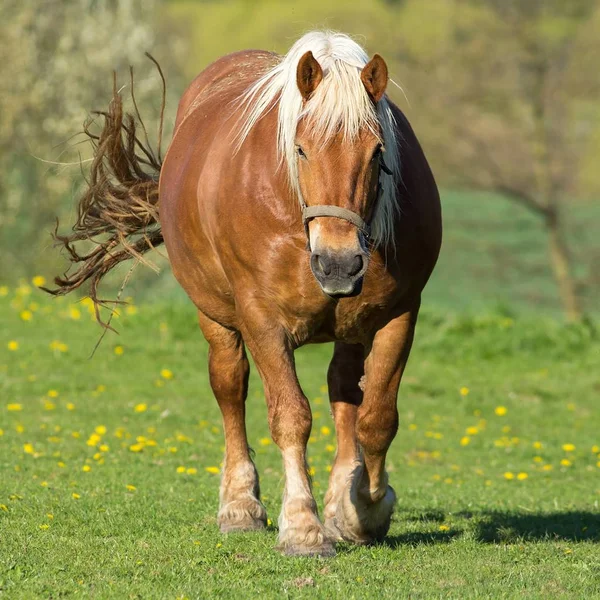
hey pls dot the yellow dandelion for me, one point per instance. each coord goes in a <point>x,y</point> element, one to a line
<point>26,315</point>
<point>70,406</point>
<point>538,459</point>
<point>172,449</point>
<point>3,290</point>
<point>595,449</point>
<point>325,430</point>
<point>330,448</point>
<point>28,448</point>
<point>75,496</point>
<point>522,476</point>
<point>472,431</point>
<point>14,407</point>
<point>50,516</point>
<point>119,350</point>
<point>508,475</point>
<point>180,469</point>
<point>213,470</point>
<point>103,448</point>
<point>86,468</point>
<point>547,467</point>
<point>312,471</point>
<point>140,407</point>
<point>568,447</point>
<point>58,345</point>
<point>93,440</point>
<point>74,313</point>
<point>166,374</point>
<point>538,445</point>
<point>136,447</point>
<point>412,427</point>
<point>565,462</point>
<point>13,345</point>
<point>44,483</point>
<point>464,391</point>
<point>444,528</point>
<point>100,429</point>
<point>191,471</point>
<point>500,410</point>
<point>61,464</point>
<point>131,488</point>
<point>19,428</point>
<point>49,405</point>
<point>264,441</point>
<point>44,526</point>
<point>131,310</point>
<point>38,281</point>
<point>465,440</point>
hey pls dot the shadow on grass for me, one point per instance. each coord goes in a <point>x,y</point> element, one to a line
<point>425,538</point>
<point>496,526</point>
<point>501,527</point>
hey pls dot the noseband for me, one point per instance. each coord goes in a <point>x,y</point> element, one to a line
<point>328,210</point>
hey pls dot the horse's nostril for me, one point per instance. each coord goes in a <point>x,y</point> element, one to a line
<point>324,265</point>
<point>356,265</point>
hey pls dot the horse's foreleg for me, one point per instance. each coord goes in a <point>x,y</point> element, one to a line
<point>240,508</point>
<point>364,512</point>
<point>290,421</point>
<point>343,378</point>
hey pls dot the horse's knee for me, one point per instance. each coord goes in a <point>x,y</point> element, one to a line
<point>290,422</point>
<point>228,369</point>
<point>376,429</point>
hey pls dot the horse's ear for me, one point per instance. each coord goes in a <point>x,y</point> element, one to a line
<point>375,77</point>
<point>308,75</point>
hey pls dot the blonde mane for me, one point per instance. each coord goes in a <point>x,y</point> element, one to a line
<point>340,103</point>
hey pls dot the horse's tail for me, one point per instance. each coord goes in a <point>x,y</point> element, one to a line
<point>118,212</point>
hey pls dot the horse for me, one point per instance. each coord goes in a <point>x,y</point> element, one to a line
<point>297,207</point>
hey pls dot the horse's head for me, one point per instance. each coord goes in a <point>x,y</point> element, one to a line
<point>338,179</point>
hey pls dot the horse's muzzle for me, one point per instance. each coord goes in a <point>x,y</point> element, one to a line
<point>340,274</point>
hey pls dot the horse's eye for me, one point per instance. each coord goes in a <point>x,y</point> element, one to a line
<point>300,152</point>
<point>377,152</point>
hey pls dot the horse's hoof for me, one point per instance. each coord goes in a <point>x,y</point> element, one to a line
<point>332,531</point>
<point>308,540</point>
<point>324,550</point>
<point>363,522</point>
<point>242,515</point>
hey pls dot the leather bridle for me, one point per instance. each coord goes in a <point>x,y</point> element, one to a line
<point>328,210</point>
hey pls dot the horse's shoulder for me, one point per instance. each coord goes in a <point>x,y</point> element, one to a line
<point>228,76</point>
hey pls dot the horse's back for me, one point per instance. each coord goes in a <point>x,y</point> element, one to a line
<point>229,76</point>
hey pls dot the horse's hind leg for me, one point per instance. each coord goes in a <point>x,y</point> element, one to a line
<point>240,508</point>
<point>343,378</point>
<point>364,510</point>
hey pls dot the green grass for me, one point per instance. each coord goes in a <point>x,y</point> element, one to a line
<point>461,529</point>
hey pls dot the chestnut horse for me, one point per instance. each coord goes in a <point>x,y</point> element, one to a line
<point>297,207</point>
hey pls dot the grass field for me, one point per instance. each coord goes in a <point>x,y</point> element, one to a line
<point>109,468</point>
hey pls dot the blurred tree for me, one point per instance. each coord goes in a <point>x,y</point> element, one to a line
<point>509,90</point>
<point>56,64</point>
